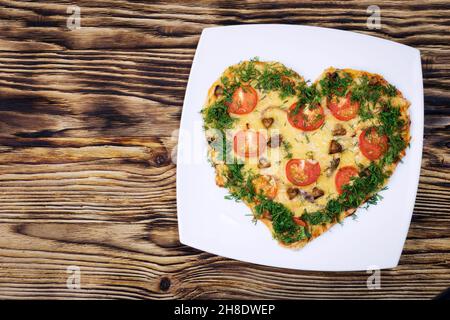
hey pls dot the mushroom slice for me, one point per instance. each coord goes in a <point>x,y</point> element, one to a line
<point>317,193</point>
<point>333,166</point>
<point>339,130</point>
<point>335,147</point>
<point>267,122</point>
<point>292,192</point>
<point>263,163</point>
<point>218,91</point>
<point>365,173</point>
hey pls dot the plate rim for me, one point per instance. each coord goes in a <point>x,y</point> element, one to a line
<point>417,64</point>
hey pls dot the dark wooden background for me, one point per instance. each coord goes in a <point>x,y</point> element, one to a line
<point>86,118</point>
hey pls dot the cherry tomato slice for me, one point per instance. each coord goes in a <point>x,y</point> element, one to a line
<point>302,172</point>
<point>249,143</point>
<point>344,108</point>
<point>306,118</point>
<point>343,177</point>
<point>244,100</point>
<point>266,185</point>
<point>372,144</point>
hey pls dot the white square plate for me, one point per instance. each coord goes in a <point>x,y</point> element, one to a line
<point>209,222</point>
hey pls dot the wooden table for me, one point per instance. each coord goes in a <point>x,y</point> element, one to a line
<point>86,124</point>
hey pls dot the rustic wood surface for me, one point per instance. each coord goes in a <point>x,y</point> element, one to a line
<point>86,178</point>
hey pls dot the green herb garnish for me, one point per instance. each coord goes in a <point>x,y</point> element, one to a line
<point>271,78</point>
<point>284,227</point>
<point>335,84</point>
<point>287,149</point>
<point>217,116</point>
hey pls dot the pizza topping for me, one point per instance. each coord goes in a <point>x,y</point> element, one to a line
<point>343,177</point>
<point>344,108</point>
<point>244,100</point>
<point>376,80</point>
<point>334,163</point>
<point>306,117</point>
<point>307,196</point>
<point>286,81</point>
<point>266,186</point>
<point>372,144</point>
<point>335,83</point>
<point>272,77</point>
<point>317,193</point>
<point>292,192</point>
<point>302,172</point>
<point>217,116</point>
<point>339,130</point>
<point>266,215</point>
<point>287,148</point>
<point>365,173</point>
<point>299,221</point>
<point>218,91</point>
<point>267,122</point>
<point>263,163</point>
<point>249,143</point>
<point>368,98</point>
<point>335,147</point>
<point>284,227</point>
<point>275,141</point>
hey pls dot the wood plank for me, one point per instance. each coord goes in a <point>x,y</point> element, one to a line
<point>87,120</point>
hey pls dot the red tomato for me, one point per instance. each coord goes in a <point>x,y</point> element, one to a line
<point>306,118</point>
<point>302,172</point>
<point>299,221</point>
<point>372,145</point>
<point>249,143</point>
<point>343,177</point>
<point>244,100</point>
<point>266,185</point>
<point>344,109</point>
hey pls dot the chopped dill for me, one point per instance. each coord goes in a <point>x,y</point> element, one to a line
<point>335,84</point>
<point>284,227</point>
<point>217,116</point>
<point>287,146</point>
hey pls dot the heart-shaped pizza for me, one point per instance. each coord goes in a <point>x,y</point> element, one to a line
<point>303,156</point>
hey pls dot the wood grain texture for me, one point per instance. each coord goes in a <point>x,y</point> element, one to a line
<point>86,177</point>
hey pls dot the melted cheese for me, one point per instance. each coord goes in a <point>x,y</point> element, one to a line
<point>305,145</point>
